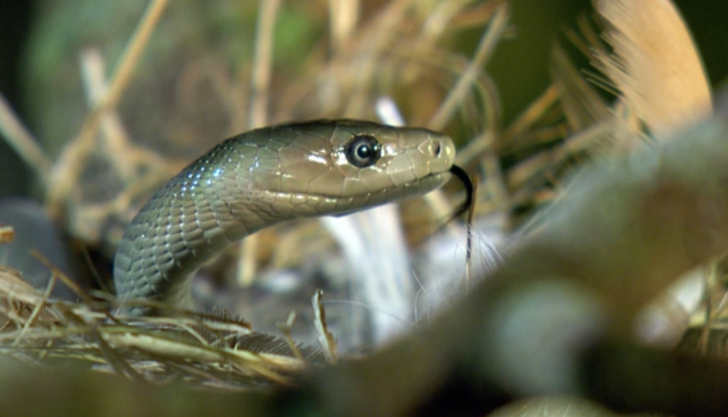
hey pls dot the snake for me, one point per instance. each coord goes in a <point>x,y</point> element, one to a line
<point>264,177</point>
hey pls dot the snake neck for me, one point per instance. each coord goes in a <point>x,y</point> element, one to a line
<point>173,236</point>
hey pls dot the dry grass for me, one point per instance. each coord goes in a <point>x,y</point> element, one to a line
<point>213,350</point>
<point>402,52</point>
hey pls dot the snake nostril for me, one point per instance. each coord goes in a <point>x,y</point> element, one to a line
<point>437,149</point>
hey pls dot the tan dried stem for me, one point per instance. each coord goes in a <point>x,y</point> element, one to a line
<point>7,234</point>
<point>125,156</point>
<point>531,114</point>
<point>262,63</point>
<point>22,141</point>
<point>115,138</point>
<point>463,86</point>
<point>438,21</point>
<point>73,159</point>
<point>582,104</point>
<point>259,92</point>
<point>485,142</point>
<point>489,40</point>
<point>377,35</point>
<point>343,18</point>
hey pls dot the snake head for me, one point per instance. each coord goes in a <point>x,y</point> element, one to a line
<point>339,167</point>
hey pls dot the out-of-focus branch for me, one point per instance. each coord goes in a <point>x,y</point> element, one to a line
<point>487,45</point>
<point>20,139</point>
<point>83,394</point>
<point>259,97</point>
<point>72,160</point>
<point>260,84</point>
<point>634,379</point>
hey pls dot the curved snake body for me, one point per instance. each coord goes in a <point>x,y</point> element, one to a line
<point>266,176</point>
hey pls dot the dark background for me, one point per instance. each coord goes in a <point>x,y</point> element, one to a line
<point>519,65</point>
<point>14,26</point>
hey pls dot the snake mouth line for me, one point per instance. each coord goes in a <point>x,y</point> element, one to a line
<point>432,180</point>
<point>435,179</point>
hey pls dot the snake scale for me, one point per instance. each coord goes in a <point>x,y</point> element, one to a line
<point>267,176</point>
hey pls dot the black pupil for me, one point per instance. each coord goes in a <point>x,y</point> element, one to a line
<point>362,151</point>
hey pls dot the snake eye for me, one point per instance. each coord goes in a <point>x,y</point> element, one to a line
<point>362,151</point>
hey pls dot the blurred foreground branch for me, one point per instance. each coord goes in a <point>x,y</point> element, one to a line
<point>556,319</point>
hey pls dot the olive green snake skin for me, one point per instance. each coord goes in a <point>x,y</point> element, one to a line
<point>266,176</point>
